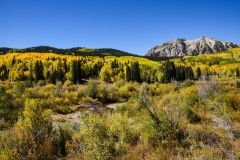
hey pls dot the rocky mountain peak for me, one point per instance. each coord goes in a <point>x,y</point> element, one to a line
<point>183,47</point>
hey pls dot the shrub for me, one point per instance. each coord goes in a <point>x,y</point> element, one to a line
<point>234,101</point>
<point>91,89</point>
<point>67,83</point>
<point>127,90</point>
<point>108,93</point>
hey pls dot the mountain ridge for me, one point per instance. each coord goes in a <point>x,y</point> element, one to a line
<point>73,50</point>
<point>182,47</point>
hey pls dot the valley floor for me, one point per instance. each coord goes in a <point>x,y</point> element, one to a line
<point>188,120</point>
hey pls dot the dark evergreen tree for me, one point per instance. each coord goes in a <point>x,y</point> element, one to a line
<point>41,70</point>
<point>73,72</point>
<point>99,66</point>
<point>189,73</point>
<point>53,77</point>
<point>3,73</point>
<point>178,74</point>
<point>95,70</point>
<point>128,74</point>
<point>114,64</point>
<point>182,73</point>
<point>169,71</point>
<point>13,61</point>
<point>38,70</point>
<point>237,72</point>
<point>172,70</point>
<point>65,67</point>
<point>135,72</point>
<point>78,71</point>
<point>198,73</point>
<point>60,71</point>
<point>152,76</point>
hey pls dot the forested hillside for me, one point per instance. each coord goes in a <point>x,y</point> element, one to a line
<point>183,108</point>
<point>71,51</point>
<point>51,67</point>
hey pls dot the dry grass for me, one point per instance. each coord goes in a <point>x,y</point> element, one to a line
<point>58,118</point>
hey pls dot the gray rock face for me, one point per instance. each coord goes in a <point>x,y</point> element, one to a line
<point>182,47</point>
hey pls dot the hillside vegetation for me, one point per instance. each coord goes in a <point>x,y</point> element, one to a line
<point>70,51</point>
<point>183,108</point>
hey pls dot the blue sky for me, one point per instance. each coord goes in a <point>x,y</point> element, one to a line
<point>134,26</point>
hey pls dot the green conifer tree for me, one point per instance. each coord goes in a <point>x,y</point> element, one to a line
<point>136,72</point>
<point>198,73</point>
<point>127,73</point>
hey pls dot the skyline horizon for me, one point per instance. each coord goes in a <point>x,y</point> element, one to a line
<point>131,26</point>
<point>115,48</point>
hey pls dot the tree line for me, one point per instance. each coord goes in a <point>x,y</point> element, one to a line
<point>55,69</point>
<point>77,51</point>
<point>179,73</point>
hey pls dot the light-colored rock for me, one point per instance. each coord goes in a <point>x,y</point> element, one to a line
<point>182,47</point>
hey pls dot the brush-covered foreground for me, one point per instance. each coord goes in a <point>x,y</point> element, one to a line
<point>189,120</point>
